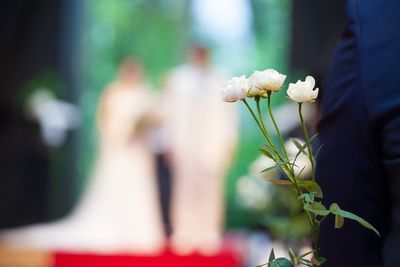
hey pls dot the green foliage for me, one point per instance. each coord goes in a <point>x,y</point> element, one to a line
<point>311,187</point>
<point>281,262</point>
<point>293,257</point>
<point>308,197</point>
<point>317,261</point>
<point>317,208</point>
<point>271,255</point>
<point>266,153</point>
<point>279,182</point>
<point>339,221</point>
<point>301,148</point>
<point>276,262</point>
<point>340,214</point>
<point>283,217</point>
<point>294,260</point>
<point>277,165</point>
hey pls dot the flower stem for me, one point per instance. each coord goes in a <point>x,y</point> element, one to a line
<point>288,169</point>
<point>265,133</point>
<point>310,155</point>
<point>260,114</point>
<point>276,125</point>
<point>315,226</point>
<point>255,118</point>
<point>297,187</point>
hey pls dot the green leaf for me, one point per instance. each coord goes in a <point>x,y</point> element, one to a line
<point>311,187</point>
<point>317,208</point>
<point>294,162</point>
<point>281,262</point>
<point>305,254</point>
<point>279,182</point>
<point>271,257</point>
<point>308,197</point>
<point>300,171</point>
<point>293,257</point>
<point>266,153</point>
<point>352,216</point>
<point>318,150</point>
<point>339,221</point>
<point>269,147</point>
<point>270,168</point>
<point>335,209</point>
<point>275,166</point>
<point>321,260</point>
<point>315,262</point>
<point>306,262</point>
<point>313,137</point>
<point>318,261</point>
<point>300,147</point>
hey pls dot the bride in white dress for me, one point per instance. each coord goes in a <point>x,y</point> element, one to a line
<point>120,209</point>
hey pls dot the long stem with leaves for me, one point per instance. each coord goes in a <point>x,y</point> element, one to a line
<point>287,169</point>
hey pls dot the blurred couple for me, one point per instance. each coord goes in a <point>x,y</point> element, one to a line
<point>120,209</point>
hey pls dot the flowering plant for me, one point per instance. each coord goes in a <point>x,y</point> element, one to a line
<point>262,85</point>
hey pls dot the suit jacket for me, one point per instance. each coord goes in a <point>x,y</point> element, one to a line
<point>359,166</point>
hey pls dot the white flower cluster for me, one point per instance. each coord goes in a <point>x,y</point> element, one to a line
<point>262,83</point>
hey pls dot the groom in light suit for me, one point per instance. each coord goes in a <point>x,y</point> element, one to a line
<point>202,132</point>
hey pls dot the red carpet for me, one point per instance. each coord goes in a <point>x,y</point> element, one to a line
<point>227,258</point>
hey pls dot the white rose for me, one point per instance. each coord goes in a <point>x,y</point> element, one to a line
<point>303,91</point>
<point>235,89</point>
<point>255,91</point>
<point>263,81</point>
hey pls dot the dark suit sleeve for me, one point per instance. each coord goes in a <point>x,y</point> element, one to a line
<point>391,163</point>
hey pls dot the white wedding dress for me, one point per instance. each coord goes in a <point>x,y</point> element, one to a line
<point>119,210</point>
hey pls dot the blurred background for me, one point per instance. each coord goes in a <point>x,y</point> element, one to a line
<point>70,50</point>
